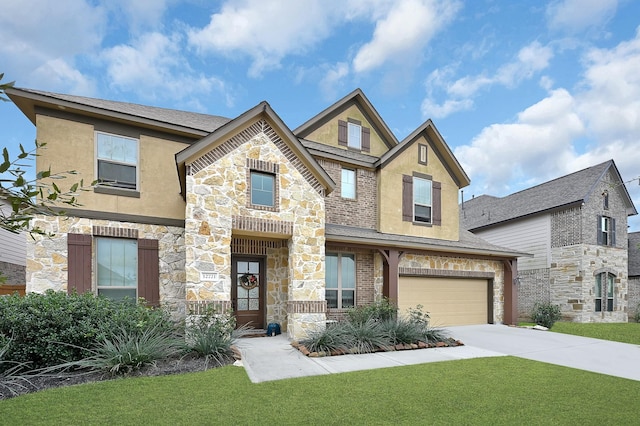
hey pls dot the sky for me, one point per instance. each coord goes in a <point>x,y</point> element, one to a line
<point>522,91</point>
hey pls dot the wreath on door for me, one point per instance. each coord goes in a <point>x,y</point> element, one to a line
<point>248,281</point>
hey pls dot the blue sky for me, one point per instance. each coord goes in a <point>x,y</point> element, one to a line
<point>522,91</point>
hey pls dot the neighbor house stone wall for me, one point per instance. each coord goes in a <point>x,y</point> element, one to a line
<point>458,266</point>
<point>12,273</point>
<point>217,194</point>
<point>634,296</point>
<point>533,286</point>
<point>361,211</point>
<point>47,256</point>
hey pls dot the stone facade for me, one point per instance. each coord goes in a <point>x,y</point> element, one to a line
<point>47,256</point>
<point>459,267</point>
<point>218,193</point>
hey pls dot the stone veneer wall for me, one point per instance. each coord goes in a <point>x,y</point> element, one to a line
<point>12,273</point>
<point>634,297</point>
<point>47,256</point>
<point>572,279</point>
<point>217,193</point>
<point>533,286</point>
<point>461,266</point>
<point>361,211</point>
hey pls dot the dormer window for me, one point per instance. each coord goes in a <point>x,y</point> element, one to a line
<point>354,136</point>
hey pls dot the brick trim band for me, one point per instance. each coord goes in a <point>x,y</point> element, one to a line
<point>307,306</point>
<point>199,307</point>
<point>444,273</point>
<point>108,231</point>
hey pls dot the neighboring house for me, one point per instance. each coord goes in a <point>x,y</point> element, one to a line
<point>13,256</point>
<point>246,215</point>
<point>576,227</point>
<point>634,274</point>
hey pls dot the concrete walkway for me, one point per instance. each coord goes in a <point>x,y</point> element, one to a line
<point>273,358</point>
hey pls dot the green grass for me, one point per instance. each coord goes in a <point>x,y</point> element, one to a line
<point>617,332</point>
<point>501,390</point>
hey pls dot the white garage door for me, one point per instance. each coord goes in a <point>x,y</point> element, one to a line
<point>449,301</point>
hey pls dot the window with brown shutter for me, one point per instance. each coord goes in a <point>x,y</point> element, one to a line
<point>78,263</point>
<point>148,271</point>
<point>407,198</point>
<point>366,139</point>
<point>437,203</point>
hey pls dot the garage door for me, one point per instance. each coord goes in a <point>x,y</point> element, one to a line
<point>449,301</point>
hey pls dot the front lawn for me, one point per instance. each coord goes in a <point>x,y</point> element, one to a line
<point>500,390</point>
<point>618,332</point>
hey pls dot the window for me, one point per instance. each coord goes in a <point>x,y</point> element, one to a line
<point>262,189</point>
<point>606,231</point>
<point>117,268</point>
<point>421,200</point>
<point>340,281</point>
<point>354,139</point>
<point>116,161</point>
<point>605,200</point>
<point>422,154</point>
<point>603,292</point>
<point>348,184</point>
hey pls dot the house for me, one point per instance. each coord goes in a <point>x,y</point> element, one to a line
<point>12,256</point>
<point>634,274</point>
<point>576,228</point>
<point>246,215</point>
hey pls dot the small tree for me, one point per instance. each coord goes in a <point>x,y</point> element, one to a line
<point>26,196</point>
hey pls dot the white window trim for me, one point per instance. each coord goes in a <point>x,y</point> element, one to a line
<point>415,203</point>
<point>350,142</point>
<point>137,165</point>
<point>355,278</point>
<point>96,285</point>
<point>355,186</point>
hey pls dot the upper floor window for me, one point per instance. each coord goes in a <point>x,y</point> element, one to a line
<point>117,161</point>
<point>421,200</point>
<point>354,139</point>
<point>348,184</point>
<point>340,280</point>
<point>117,271</point>
<point>262,189</point>
<point>603,292</point>
<point>606,231</point>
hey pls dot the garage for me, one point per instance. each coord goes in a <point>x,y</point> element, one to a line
<point>449,301</point>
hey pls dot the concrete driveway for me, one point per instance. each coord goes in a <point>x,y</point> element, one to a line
<point>600,356</point>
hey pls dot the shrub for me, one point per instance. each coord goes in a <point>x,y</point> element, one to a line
<point>402,330</point>
<point>329,339</point>
<point>11,381</point>
<point>365,337</point>
<point>126,350</point>
<point>636,317</point>
<point>378,311</point>
<point>545,314</point>
<point>211,336</point>
<point>53,328</point>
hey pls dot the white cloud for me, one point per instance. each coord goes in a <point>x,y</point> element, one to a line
<point>34,32</point>
<point>264,31</point>
<point>58,73</point>
<point>574,16</point>
<point>406,29</point>
<point>141,14</point>
<point>153,67</point>
<point>331,80</point>
<point>530,60</point>
<point>538,144</point>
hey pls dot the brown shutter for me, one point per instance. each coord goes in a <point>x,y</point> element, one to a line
<point>366,139</point>
<point>407,198</point>
<point>342,133</point>
<point>78,263</point>
<point>437,203</point>
<point>599,231</point>
<point>613,232</point>
<point>148,271</point>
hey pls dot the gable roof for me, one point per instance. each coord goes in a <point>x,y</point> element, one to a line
<point>572,189</point>
<point>263,109</point>
<point>355,97</point>
<point>170,120</point>
<point>634,254</point>
<point>439,146</point>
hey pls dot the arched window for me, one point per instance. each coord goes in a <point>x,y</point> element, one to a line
<point>603,292</point>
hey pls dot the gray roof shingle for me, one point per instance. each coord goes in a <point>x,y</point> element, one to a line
<point>566,190</point>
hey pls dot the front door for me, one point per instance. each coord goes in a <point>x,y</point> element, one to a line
<point>248,288</point>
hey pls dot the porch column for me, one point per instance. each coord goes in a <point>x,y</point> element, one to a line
<point>390,272</point>
<point>510,292</point>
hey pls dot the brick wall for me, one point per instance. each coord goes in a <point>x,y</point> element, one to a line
<point>634,296</point>
<point>362,211</point>
<point>13,274</point>
<point>533,286</point>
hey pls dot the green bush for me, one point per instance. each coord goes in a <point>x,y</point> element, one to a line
<point>211,336</point>
<point>378,311</point>
<point>52,328</point>
<point>545,314</point>
<point>636,317</point>
<point>365,337</point>
<point>403,330</point>
<point>329,339</point>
